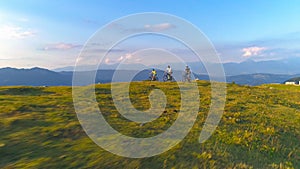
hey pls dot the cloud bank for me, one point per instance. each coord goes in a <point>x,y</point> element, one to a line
<point>159,27</point>
<point>16,32</point>
<point>253,51</point>
<point>60,46</point>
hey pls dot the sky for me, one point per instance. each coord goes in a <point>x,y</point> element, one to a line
<point>51,34</point>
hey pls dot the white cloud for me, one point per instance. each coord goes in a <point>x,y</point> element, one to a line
<point>252,51</point>
<point>159,27</point>
<point>120,59</point>
<point>16,32</point>
<point>126,58</point>
<point>138,60</point>
<point>60,46</point>
<point>147,27</point>
<point>107,61</point>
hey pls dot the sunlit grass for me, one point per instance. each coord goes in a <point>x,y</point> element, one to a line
<point>259,129</point>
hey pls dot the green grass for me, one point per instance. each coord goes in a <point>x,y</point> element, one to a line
<point>259,129</point>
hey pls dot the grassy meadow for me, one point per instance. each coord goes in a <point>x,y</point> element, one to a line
<point>260,128</point>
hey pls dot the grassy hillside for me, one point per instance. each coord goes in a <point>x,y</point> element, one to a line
<point>259,129</point>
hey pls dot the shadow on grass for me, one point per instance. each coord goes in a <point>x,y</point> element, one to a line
<point>25,91</point>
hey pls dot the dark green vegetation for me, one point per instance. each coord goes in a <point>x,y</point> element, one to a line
<point>295,79</point>
<point>258,78</point>
<point>259,129</point>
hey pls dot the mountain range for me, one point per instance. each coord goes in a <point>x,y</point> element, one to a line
<point>44,77</point>
<point>288,66</point>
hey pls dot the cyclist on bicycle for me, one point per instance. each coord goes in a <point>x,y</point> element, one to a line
<point>169,72</point>
<point>187,75</point>
<point>153,75</point>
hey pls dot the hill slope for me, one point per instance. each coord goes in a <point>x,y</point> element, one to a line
<point>258,79</point>
<point>295,79</point>
<point>259,129</point>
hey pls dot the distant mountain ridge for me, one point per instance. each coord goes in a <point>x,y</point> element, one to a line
<point>288,66</point>
<point>259,78</point>
<point>44,77</point>
<point>32,77</point>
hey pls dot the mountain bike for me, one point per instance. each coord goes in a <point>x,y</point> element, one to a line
<point>167,77</point>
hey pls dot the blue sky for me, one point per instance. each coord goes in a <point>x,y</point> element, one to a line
<point>50,34</point>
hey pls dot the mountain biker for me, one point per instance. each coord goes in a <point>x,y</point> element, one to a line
<point>153,75</point>
<point>169,72</point>
<point>187,76</point>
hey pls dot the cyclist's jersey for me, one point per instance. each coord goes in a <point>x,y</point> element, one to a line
<point>169,70</point>
<point>188,70</point>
